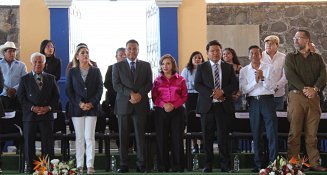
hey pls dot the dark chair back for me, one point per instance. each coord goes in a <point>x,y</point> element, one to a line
<point>193,122</point>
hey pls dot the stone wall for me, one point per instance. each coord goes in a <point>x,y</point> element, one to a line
<point>9,24</point>
<point>281,19</point>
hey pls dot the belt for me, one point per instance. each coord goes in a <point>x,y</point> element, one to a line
<point>218,102</point>
<point>258,97</point>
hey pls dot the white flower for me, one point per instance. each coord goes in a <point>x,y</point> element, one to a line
<point>300,172</point>
<point>54,161</point>
<point>289,166</point>
<point>262,171</point>
<point>289,174</point>
<point>55,172</point>
<point>45,173</point>
<point>272,173</point>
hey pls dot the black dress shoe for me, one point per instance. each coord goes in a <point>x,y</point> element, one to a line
<point>227,170</point>
<point>160,170</point>
<point>177,170</point>
<point>207,170</point>
<point>318,168</point>
<point>255,170</point>
<point>123,169</point>
<point>140,169</point>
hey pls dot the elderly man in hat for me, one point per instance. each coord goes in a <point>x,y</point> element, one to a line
<point>12,70</point>
<point>275,58</point>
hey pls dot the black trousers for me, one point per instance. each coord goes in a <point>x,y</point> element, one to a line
<point>46,132</point>
<point>217,119</point>
<point>169,129</point>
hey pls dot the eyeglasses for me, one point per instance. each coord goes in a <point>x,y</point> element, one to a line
<point>299,37</point>
<point>49,46</point>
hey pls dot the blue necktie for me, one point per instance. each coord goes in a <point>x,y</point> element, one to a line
<point>217,78</point>
<point>133,69</point>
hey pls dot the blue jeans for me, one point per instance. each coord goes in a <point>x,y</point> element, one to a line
<point>262,112</point>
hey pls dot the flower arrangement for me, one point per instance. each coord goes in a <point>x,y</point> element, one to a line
<point>283,167</point>
<point>54,167</point>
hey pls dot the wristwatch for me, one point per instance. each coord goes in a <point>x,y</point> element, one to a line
<point>315,89</point>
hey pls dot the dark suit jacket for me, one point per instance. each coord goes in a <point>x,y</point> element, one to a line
<point>79,91</point>
<point>53,67</point>
<point>204,84</point>
<point>30,95</point>
<point>111,93</point>
<point>124,85</point>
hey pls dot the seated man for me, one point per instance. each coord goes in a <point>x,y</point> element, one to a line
<point>12,70</point>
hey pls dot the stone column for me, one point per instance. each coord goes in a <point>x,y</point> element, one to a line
<point>168,24</point>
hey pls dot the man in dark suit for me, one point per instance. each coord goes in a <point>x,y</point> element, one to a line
<point>109,103</point>
<point>132,80</point>
<point>215,81</point>
<point>38,94</point>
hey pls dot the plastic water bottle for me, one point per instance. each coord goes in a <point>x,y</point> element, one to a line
<point>113,163</point>
<point>195,163</point>
<point>236,163</point>
<point>25,168</point>
<point>252,146</point>
<point>155,165</point>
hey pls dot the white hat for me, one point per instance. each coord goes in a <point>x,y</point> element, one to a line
<point>7,45</point>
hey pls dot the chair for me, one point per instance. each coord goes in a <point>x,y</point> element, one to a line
<point>241,129</point>
<point>193,131</point>
<point>59,132</point>
<point>282,132</point>
<point>322,134</point>
<point>8,131</point>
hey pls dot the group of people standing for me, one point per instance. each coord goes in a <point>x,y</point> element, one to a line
<point>212,88</point>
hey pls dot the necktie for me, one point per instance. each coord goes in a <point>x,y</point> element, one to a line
<point>39,81</point>
<point>133,69</point>
<point>217,77</point>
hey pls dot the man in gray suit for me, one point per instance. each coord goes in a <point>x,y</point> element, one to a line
<point>132,80</point>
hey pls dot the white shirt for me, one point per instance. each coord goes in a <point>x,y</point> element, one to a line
<point>129,62</point>
<point>251,87</point>
<point>279,74</point>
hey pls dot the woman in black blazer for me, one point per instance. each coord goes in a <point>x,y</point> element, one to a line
<point>53,63</point>
<point>84,90</point>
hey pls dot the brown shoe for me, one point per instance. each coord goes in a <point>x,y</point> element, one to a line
<point>90,170</point>
<point>318,168</point>
<point>79,170</point>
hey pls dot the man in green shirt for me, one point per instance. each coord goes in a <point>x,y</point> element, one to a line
<point>306,74</point>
